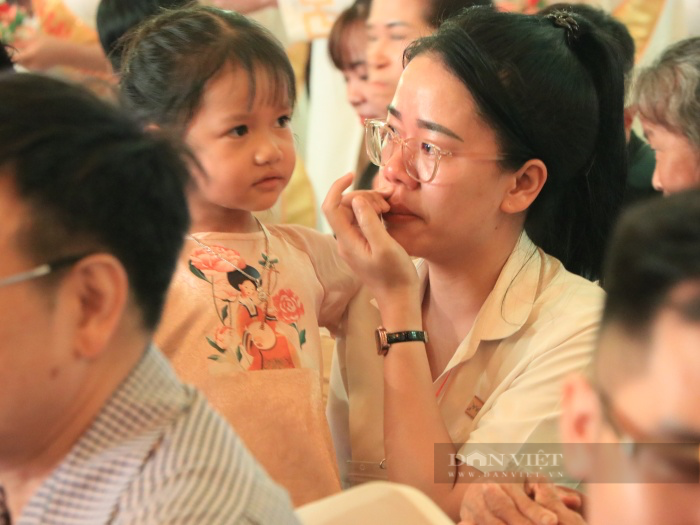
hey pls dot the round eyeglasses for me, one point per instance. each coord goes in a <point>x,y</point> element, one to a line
<point>421,159</point>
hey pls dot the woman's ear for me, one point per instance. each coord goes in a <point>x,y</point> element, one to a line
<point>526,186</point>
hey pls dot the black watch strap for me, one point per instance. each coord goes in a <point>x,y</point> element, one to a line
<point>386,339</point>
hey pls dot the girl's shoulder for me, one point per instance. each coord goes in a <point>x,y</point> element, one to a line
<point>312,242</point>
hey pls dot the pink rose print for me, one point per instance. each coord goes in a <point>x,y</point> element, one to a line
<point>205,261</point>
<point>289,307</point>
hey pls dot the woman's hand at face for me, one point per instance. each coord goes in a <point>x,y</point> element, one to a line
<point>363,242</point>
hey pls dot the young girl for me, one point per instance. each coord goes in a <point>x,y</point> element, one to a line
<point>244,297</point>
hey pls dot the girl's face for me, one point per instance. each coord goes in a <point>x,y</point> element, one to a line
<point>677,160</point>
<point>245,147</point>
<point>356,76</point>
<point>391,26</point>
<point>461,207</point>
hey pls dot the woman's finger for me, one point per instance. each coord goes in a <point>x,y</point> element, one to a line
<point>369,222</point>
<point>340,217</point>
<point>335,193</point>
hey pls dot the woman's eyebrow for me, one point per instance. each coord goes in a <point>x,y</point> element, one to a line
<point>433,126</point>
<point>426,124</point>
<point>395,112</point>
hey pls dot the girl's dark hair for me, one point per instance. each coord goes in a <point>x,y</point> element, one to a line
<point>115,18</point>
<point>169,59</point>
<point>552,89</point>
<point>437,11</point>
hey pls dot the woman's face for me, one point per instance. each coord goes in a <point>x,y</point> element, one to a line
<point>677,160</point>
<point>460,207</point>
<point>391,26</point>
<point>356,76</point>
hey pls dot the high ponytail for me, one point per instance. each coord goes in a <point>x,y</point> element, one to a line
<point>597,190</point>
<point>551,89</point>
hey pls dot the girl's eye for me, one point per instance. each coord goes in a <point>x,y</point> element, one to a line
<point>283,121</point>
<point>398,37</point>
<point>238,131</point>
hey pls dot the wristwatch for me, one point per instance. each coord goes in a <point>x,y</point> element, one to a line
<point>385,339</point>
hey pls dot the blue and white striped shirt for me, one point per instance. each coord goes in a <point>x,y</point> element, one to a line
<point>157,453</point>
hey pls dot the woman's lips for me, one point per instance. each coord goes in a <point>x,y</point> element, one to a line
<point>399,213</point>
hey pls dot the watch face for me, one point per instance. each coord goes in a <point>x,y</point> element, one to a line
<point>380,339</point>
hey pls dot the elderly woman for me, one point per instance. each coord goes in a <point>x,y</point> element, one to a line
<point>668,97</point>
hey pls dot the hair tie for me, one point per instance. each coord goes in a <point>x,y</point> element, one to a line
<point>566,21</point>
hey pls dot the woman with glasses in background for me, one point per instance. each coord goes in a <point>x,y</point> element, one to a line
<point>503,165</point>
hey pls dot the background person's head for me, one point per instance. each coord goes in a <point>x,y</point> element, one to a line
<point>225,84</point>
<point>347,44</point>
<point>646,371</point>
<point>551,90</point>
<point>82,184</point>
<point>391,26</point>
<point>667,95</point>
<point>115,18</point>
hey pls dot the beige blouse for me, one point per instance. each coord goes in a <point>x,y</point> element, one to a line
<point>503,382</point>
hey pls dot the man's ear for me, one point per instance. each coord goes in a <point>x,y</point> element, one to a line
<point>580,424</point>
<point>526,185</point>
<point>101,286</point>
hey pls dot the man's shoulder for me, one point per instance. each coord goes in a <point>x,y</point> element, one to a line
<point>201,472</point>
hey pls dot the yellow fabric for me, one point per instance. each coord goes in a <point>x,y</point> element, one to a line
<point>640,17</point>
<point>57,20</point>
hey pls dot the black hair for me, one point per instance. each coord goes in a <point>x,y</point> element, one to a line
<point>236,278</point>
<point>608,24</point>
<point>348,20</point>
<point>655,247</point>
<point>115,18</point>
<point>437,11</point>
<point>169,59</point>
<point>5,60</point>
<point>552,89</point>
<point>93,180</point>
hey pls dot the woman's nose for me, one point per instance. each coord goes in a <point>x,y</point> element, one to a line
<point>394,171</point>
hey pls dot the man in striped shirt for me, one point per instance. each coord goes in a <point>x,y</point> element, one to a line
<point>94,426</point>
